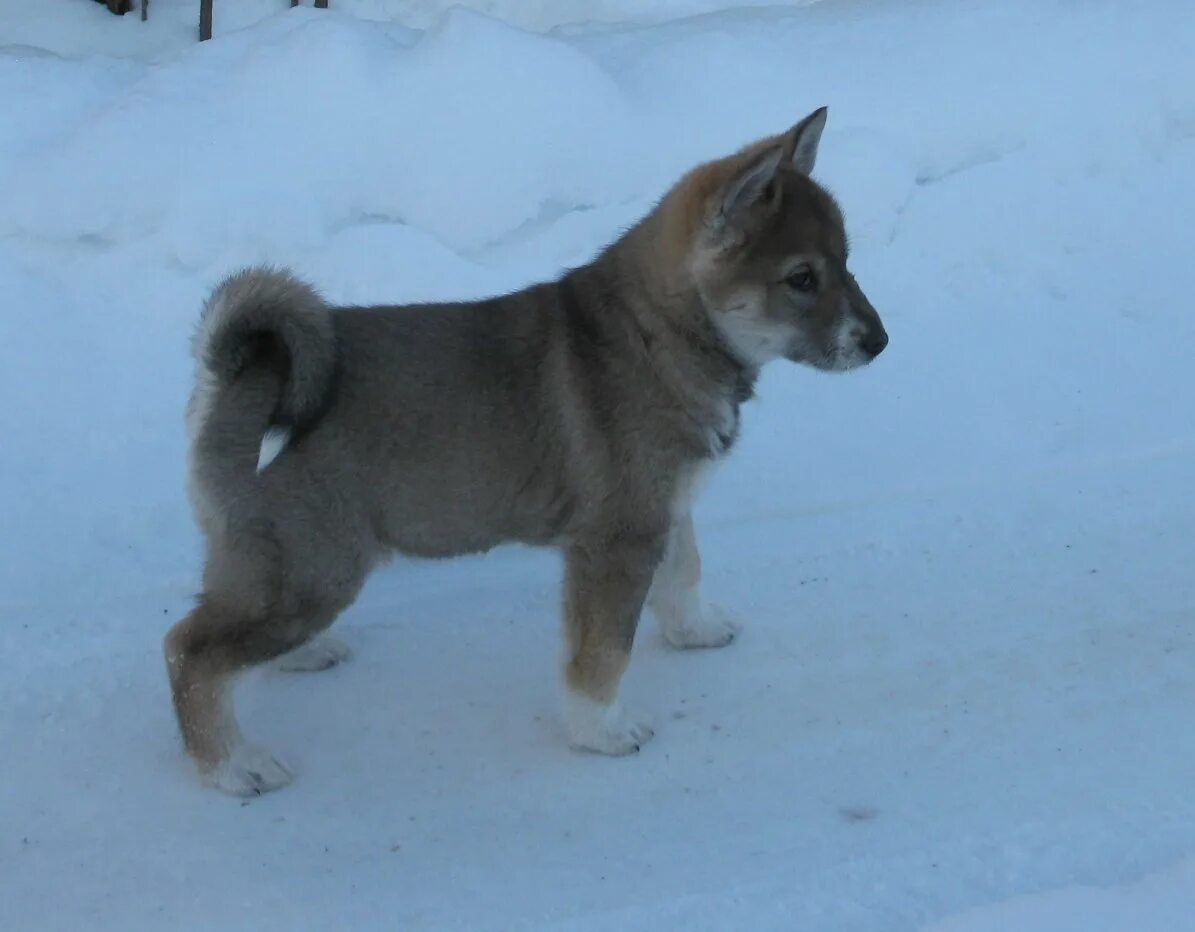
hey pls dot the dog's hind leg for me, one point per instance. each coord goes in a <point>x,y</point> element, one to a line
<point>204,653</point>
<point>675,596</point>
<point>605,585</point>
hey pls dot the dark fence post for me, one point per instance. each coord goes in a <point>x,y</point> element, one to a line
<point>205,20</point>
<point>205,15</point>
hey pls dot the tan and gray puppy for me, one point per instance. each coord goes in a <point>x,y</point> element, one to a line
<point>577,414</point>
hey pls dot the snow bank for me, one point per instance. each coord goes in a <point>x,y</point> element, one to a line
<point>315,122</point>
<point>64,27</point>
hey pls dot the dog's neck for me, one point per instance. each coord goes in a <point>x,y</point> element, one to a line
<point>666,321</point>
<point>661,293</point>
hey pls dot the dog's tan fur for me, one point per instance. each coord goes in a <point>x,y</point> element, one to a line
<point>578,414</point>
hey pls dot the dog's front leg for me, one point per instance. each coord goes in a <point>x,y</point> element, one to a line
<point>675,596</point>
<point>605,584</point>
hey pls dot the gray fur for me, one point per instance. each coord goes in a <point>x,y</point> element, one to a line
<point>575,414</point>
<point>261,304</point>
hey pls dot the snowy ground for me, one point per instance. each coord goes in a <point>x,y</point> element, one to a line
<point>964,700</point>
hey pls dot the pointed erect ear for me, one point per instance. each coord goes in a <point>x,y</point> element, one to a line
<point>749,186</point>
<point>800,142</point>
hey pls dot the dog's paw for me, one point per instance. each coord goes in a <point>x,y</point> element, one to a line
<point>249,771</point>
<point>606,729</point>
<point>318,654</point>
<point>712,626</point>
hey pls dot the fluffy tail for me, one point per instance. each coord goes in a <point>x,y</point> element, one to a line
<point>265,356</point>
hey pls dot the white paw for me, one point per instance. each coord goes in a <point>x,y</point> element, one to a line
<point>318,654</point>
<point>606,729</point>
<point>710,626</point>
<point>249,771</point>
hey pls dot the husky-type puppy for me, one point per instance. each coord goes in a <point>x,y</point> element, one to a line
<point>576,414</point>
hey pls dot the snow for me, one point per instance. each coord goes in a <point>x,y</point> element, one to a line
<point>963,696</point>
<point>1162,901</point>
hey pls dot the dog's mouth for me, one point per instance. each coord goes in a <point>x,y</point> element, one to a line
<point>857,354</point>
<point>836,359</point>
<point>852,348</point>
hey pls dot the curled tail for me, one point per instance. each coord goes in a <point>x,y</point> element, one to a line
<point>265,355</point>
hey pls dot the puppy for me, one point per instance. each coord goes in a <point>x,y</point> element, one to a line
<point>577,414</point>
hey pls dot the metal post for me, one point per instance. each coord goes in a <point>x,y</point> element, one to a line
<point>205,20</point>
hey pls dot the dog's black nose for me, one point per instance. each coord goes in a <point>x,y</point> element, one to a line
<point>875,342</point>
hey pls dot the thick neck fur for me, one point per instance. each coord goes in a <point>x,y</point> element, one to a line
<point>637,294</point>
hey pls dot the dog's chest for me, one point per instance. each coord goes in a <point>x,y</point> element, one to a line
<point>720,436</point>
<point>723,423</point>
<point>689,483</point>
<point>723,430</point>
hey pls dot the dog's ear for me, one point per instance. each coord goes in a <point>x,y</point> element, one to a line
<point>750,187</point>
<point>800,142</point>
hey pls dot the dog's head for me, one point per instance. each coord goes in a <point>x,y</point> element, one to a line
<point>769,257</point>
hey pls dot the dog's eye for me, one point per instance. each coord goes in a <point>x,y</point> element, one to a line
<point>802,279</point>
